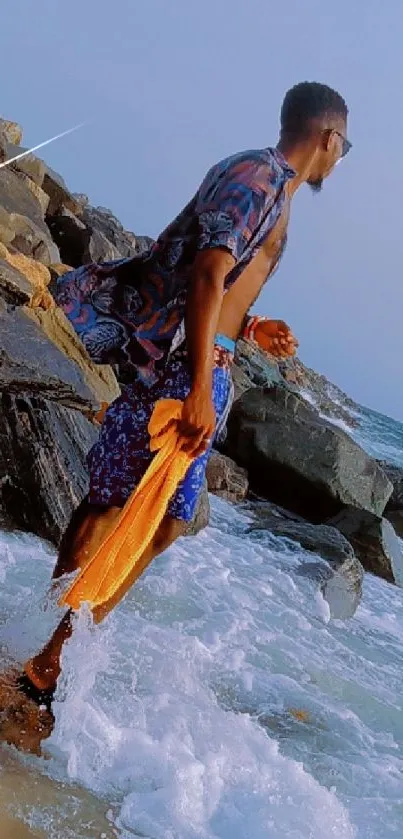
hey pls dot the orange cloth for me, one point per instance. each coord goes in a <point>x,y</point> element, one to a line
<point>141,516</point>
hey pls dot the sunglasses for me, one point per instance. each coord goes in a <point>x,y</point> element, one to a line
<point>346,145</point>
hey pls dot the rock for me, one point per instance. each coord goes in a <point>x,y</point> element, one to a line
<point>143,244</point>
<point>80,245</point>
<point>82,200</point>
<point>29,240</point>
<point>30,165</point>
<point>32,364</point>
<point>396,519</point>
<point>340,577</point>
<point>264,370</point>
<point>374,541</point>
<point>260,368</point>
<point>322,539</point>
<point>7,232</point>
<point>329,399</point>
<point>59,194</point>
<point>43,474</point>
<point>394,508</point>
<point>101,220</point>
<point>202,515</point>
<point>299,460</point>
<point>14,286</point>
<point>226,479</point>
<point>16,199</point>
<point>241,381</point>
<point>38,193</point>
<point>36,275</point>
<point>100,379</point>
<point>395,475</point>
<point>12,131</point>
<point>3,148</point>
<point>21,219</point>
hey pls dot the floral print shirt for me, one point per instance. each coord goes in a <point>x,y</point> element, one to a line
<point>130,312</point>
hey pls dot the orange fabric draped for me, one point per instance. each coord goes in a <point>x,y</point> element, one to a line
<point>141,516</point>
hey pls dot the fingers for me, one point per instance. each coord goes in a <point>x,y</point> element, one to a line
<point>193,442</point>
<point>197,443</point>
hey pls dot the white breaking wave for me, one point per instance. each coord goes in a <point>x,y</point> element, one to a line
<point>219,701</point>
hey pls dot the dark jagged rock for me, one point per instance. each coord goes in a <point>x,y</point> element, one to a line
<point>95,236</point>
<point>32,364</point>
<point>43,475</point>
<point>14,287</point>
<point>78,244</point>
<point>101,220</point>
<point>374,541</point>
<point>300,461</point>
<point>59,194</point>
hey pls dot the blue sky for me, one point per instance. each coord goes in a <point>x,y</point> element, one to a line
<point>171,87</point>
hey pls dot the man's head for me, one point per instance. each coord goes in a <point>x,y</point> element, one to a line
<point>314,117</point>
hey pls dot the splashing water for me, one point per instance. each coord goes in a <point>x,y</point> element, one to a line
<point>218,701</point>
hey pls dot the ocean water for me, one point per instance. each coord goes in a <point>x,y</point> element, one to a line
<point>220,701</point>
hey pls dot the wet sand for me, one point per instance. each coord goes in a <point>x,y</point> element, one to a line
<point>33,805</point>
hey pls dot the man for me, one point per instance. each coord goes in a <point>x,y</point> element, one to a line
<point>171,320</point>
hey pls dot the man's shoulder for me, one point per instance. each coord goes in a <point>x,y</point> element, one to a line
<point>262,169</point>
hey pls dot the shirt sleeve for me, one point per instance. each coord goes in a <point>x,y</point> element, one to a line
<point>231,206</point>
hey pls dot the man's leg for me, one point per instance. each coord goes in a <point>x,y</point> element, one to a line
<point>86,532</point>
<point>117,463</point>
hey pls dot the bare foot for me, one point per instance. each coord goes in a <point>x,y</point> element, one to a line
<point>23,723</point>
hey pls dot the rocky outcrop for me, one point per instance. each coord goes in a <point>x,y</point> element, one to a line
<point>43,476</point>
<point>328,399</point>
<point>49,388</point>
<point>255,367</point>
<point>299,460</point>
<point>374,541</point>
<point>95,235</point>
<point>226,479</point>
<point>100,379</point>
<point>22,223</point>
<point>32,287</point>
<point>340,576</point>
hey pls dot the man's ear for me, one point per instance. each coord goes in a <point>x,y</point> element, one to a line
<point>330,140</point>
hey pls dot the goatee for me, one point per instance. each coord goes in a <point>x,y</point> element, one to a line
<point>316,186</point>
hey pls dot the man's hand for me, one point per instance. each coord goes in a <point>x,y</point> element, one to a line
<point>276,338</point>
<point>198,420</point>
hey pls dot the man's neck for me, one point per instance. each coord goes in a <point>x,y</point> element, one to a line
<point>299,157</point>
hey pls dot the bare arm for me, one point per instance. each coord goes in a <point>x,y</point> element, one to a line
<point>210,269</point>
<point>203,308</point>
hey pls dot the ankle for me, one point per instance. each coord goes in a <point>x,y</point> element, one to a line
<point>42,679</point>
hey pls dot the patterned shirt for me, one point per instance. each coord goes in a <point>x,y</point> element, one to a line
<point>130,312</point>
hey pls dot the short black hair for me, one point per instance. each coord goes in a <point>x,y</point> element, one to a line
<point>306,102</point>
